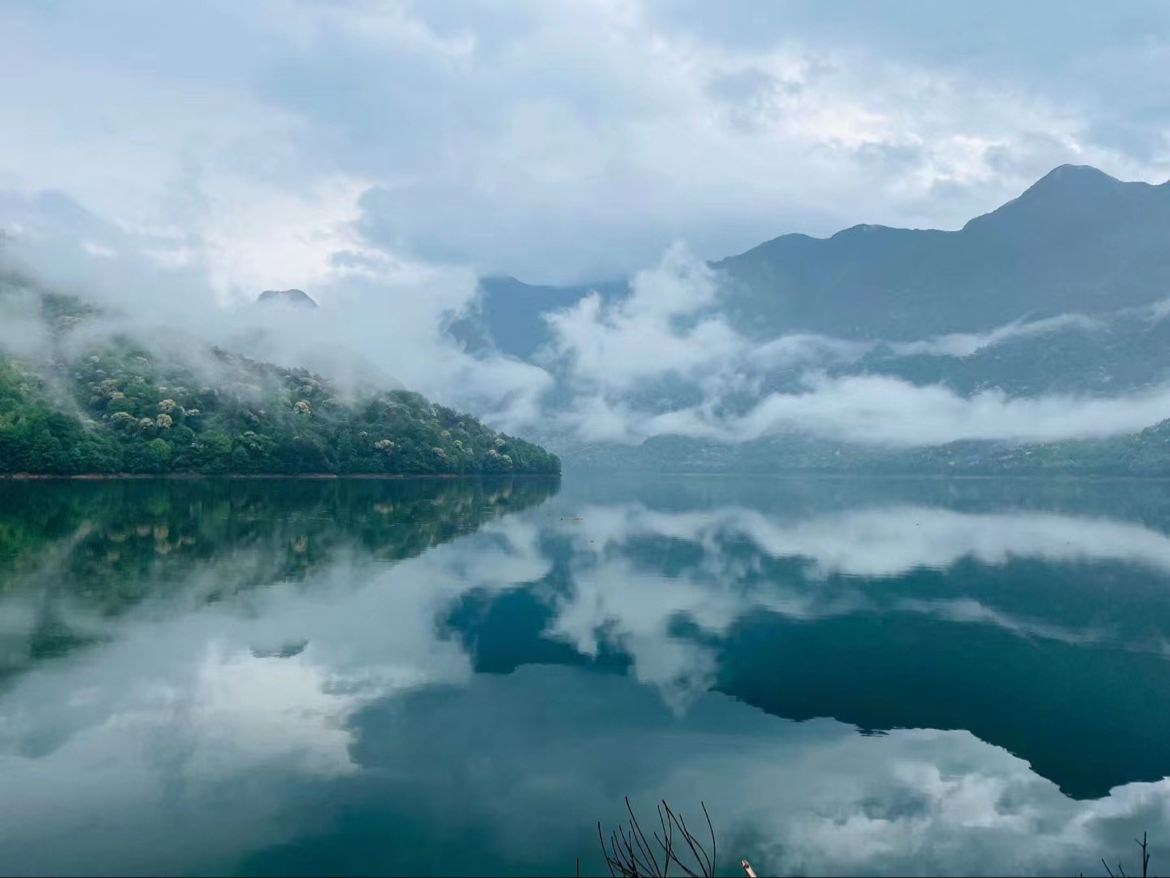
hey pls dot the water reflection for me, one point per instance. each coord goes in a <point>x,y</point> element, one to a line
<point>399,677</point>
<point>76,556</point>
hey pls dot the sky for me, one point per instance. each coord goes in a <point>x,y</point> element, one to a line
<point>383,155</point>
<point>566,141</point>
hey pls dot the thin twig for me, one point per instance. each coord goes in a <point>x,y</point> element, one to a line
<point>711,829</point>
<point>629,852</point>
<point>1145,846</point>
<point>640,838</point>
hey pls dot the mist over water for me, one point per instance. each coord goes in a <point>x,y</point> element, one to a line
<point>855,676</point>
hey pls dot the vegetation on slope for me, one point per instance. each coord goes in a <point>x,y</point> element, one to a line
<point>119,408</point>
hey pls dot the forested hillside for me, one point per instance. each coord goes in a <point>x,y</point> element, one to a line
<point>113,406</point>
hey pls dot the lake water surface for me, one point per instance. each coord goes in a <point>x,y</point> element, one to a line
<point>418,677</point>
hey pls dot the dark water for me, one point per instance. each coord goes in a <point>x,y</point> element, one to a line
<point>463,677</point>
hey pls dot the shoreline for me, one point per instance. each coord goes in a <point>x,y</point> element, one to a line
<point>873,476</point>
<point>117,477</point>
<point>786,475</point>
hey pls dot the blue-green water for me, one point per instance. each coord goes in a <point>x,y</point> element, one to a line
<point>464,677</point>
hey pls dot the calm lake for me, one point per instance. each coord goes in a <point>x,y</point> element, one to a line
<point>436,677</point>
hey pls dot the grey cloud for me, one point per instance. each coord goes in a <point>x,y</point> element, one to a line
<point>553,143</point>
<point>348,148</point>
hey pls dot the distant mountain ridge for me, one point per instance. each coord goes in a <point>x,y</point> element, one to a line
<point>1064,290</point>
<point>1077,240</point>
<point>511,316</point>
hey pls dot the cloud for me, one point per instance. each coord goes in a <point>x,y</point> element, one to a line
<point>627,364</point>
<point>256,238</point>
<point>892,540</point>
<point>621,601</point>
<point>662,361</point>
<point>382,319</point>
<point>964,344</point>
<point>564,143</point>
<point>885,411</point>
<point>22,330</point>
<point>888,411</point>
<point>613,347</point>
<point>382,155</point>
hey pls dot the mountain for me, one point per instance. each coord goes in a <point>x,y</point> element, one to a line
<point>296,298</point>
<point>510,315</point>
<point>1064,291</point>
<point>1078,240</point>
<point>89,405</point>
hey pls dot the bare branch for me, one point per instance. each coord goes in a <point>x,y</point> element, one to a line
<point>629,852</point>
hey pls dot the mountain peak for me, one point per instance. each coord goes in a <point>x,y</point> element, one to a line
<point>299,298</point>
<point>1065,177</point>
<point>1068,194</point>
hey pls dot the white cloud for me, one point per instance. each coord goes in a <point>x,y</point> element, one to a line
<point>888,411</point>
<point>573,141</point>
<point>22,331</point>
<point>382,318</point>
<point>99,250</point>
<point>613,347</point>
<point>885,411</point>
<point>662,361</point>
<point>887,541</point>
<point>256,238</point>
<point>626,363</point>
<point>631,606</point>
<point>964,344</point>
